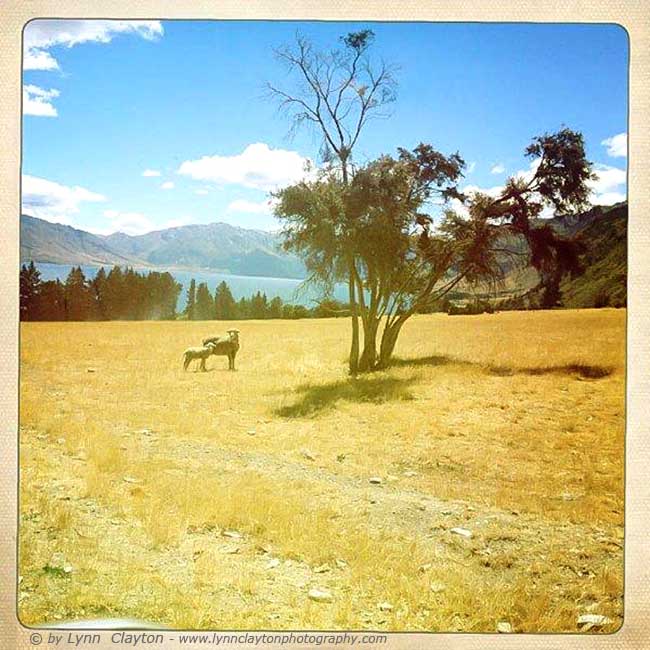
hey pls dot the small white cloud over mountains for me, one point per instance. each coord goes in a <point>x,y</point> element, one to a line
<point>616,145</point>
<point>497,169</point>
<point>37,101</point>
<point>258,167</point>
<point>609,186</point>
<point>41,35</point>
<point>167,185</point>
<point>52,201</point>
<point>251,207</point>
<point>130,223</point>
<point>134,223</point>
<point>148,173</point>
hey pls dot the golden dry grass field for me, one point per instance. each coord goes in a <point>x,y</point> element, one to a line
<point>220,499</point>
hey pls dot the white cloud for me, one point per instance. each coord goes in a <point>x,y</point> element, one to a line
<point>459,208</point>
<point>258,166</point>
<point>39,60</point>
<point>41,35</point>
<point>135,223</point>
<point>471,167</point>
<point>609,186</point>
<point>37,101</point>
<point>54,202</point>
<point>167,185</point>
<point>616,145</point>
<point>608,198</point>
<point>497,169</point>
<point>251,207</point>
<point>201,192</point>
<point>490,191</point>
<point>130,223</point>
<point>527,174</point>
<point>150,172</point>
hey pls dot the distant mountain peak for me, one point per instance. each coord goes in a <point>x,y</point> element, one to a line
<point>216,246</point>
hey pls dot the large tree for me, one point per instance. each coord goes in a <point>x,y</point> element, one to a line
<point>337,92</point>
<point>402,260</point>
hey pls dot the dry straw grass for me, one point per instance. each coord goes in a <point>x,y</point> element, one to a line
<point>511,425</point>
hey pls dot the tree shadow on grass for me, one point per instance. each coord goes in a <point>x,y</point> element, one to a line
<point>432,360</point>
<point>581,370</point>
<point>373,389</point>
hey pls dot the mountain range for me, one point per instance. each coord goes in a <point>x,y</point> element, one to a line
<point>229,249</point>
<point>216,247</point>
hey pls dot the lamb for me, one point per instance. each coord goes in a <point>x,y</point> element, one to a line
<point>201,353</point>
<point>226,347</point>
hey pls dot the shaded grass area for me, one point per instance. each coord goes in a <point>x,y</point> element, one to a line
<point>318,397</point>
<point>314,398</point>
<point>586,371</point>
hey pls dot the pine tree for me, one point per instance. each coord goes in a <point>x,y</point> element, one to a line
<point>114,298</point>
<point>275,308</point>
<point>225,307</point>
<point>78,298</point>
<point>51,301</point>
<point>258,306</point>
<point>243,309</point>
<point>191,300</point>
<point>170,292</point>
<point>98,288</point>
<point>204,309</point>
<point>30,284</point>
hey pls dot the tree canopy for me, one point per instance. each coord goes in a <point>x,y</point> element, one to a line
<point>404,259</point>
<point>373,226</point>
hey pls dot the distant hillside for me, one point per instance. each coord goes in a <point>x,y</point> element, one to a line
<point>603,281</point>
<point>43,241</point>
<point>216,246</point>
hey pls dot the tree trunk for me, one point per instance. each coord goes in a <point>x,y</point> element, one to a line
<point>388,341</point>
<point>354,347</point>
<point>369,356</point>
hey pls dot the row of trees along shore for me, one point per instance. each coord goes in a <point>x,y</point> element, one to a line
<point>120,294</point>
<point>129,295</point>
<point>201,305</point>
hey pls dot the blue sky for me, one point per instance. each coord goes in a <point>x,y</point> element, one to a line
<point>141,125</point>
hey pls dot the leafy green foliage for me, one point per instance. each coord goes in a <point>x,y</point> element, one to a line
<point>373,231</point>
<point>562,173</point>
